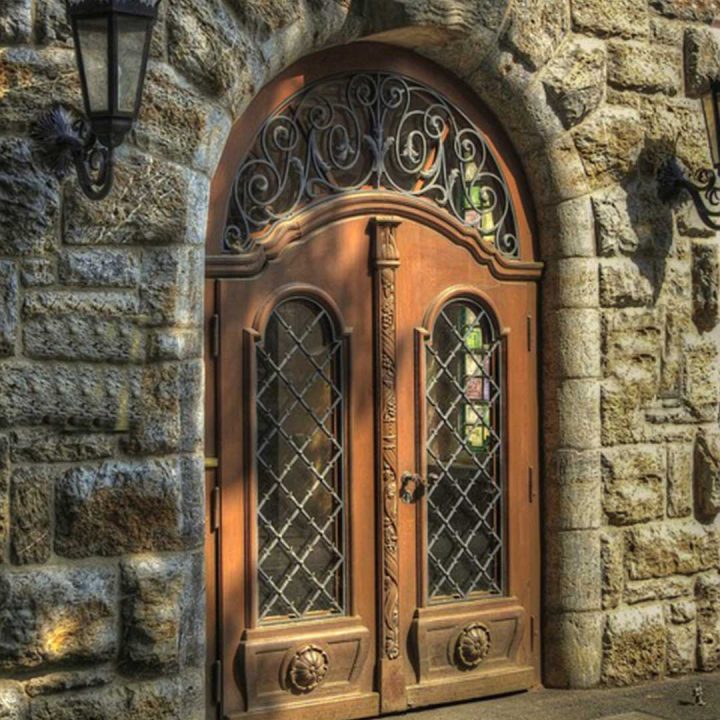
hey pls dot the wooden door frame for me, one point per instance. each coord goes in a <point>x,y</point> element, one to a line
<point>358,57</point>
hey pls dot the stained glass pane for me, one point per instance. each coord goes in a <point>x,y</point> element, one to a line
<point>464,448</point>
<point>299,464</point>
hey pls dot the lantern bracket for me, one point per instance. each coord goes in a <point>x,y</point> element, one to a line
<point>672,179</point>
<point>67,140</point>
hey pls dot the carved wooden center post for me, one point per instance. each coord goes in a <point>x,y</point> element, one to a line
<point>386,260</point>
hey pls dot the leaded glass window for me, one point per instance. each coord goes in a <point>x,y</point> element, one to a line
<point>300,451</point>
<point>465,507</point>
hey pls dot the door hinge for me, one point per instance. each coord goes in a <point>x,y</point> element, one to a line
<point>531,485</point>
<point>529,333</point>
<point>215,509</point>
<point>215,335</point>
<point>217,682</point>
<point>532,633</point>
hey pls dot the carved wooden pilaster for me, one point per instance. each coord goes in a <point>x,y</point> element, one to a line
<point>386,260</point>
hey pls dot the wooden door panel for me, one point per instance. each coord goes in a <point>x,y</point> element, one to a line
<point>263,657</point>
<point>432,271</point>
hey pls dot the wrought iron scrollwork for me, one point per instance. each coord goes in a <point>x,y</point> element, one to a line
<point>365,132</point>
<point>671,179</point>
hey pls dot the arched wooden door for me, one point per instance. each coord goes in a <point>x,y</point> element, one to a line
<point>372,407</point>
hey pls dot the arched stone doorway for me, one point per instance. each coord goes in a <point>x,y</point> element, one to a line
<point>376,503</point>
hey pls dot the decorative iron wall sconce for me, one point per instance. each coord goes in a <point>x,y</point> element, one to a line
<point>112,42</point>
<point>705,194</point>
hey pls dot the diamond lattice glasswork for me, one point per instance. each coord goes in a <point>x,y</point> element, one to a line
<point>464,449</point>
<point>300,464</point>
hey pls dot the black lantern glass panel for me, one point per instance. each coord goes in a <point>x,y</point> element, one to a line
<point>93,37</point>
<point>711,110</point>
<point>132,37</point>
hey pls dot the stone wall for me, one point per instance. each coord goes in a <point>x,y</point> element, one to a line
<point>101,488</point>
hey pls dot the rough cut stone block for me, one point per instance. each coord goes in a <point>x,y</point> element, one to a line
<point>628,18</point>
<point>572,283</point>
<point>701,10</point>
<point>119,507</point>
<point>4,495</point>
<point>680,480</point>
<point>8,308</point>
<point>206,45</point>
<point>152,613</point>
<point>170,292</point>
<point>148,205</point>
<point>168,699</point>
<point>612,546</point>
<point>635,646</point>
<point>644,67</point>
<point>174,344</point>
<point>13,701</point>
<point>634,482</point>
<point>32,80</point>
<point>167,408</point>
<point>105,704</point>
<point>71,680</point>
<point>49,616</point>
<point>622,419</point>
<point>682,611</point>
<point>68,337</point>
<point>177,123</point>
<point>632,347</point>
<point>707,474</point>
<point>15,23</point>
<point>575,81</point>
<point>51,25</point>
<point>112,303</point>
<point>573,490</point>
<point>567,230</point>
<point>681,648</point>
<point>631,220</point>
<point>575,337</point>
<point>702,59</point>
<point>70,396</point>
<point>31,515</point>
<point>609,143</point>
<point>574,658</point>
<point>706,284</point>
<point>657,550</point>
<point>100,267</point>
<point>702,376</point>
<point>40,445</point>
<point>627,283</point>
<point>707,592</point>
<point>37,272</point>
<point>536,28</point>
<point>573,576</point>
<point>642,591</point>
<point>28,199</point>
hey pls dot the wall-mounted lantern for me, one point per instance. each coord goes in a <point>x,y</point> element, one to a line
<point>706,193</point>
<point>112,42</point>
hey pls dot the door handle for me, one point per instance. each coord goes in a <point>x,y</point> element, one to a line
<point>413,486</point>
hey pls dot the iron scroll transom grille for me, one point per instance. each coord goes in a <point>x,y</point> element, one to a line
<point>464,454</point>
<point>363,132</point>
<point>300,458</point>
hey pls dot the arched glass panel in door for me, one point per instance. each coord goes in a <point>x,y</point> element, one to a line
<point>300,464</point>
<point>465,496</point>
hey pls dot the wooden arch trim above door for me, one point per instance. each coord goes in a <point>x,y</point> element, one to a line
<point>362,58</point>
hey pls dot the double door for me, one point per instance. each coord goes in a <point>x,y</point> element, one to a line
<point>374,406</point>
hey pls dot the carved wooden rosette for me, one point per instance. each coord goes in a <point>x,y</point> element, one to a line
<point>386,261</point>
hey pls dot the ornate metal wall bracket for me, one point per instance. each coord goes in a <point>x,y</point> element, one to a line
<point>672,179</point>
<point>67,141</point>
